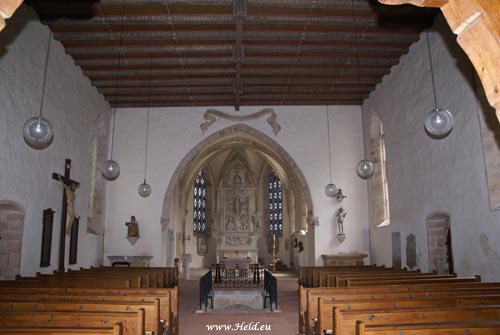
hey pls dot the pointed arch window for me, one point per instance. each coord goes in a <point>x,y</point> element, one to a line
<point>199,204</point>
<point>275,204</point>
<point>380,187</point>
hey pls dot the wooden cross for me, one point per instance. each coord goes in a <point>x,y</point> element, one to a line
<point>73,185</point>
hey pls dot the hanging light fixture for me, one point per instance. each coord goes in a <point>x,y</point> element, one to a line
<point>38,131</point>
<point>330,188</point>
<point>144,188</point>
<point>365,169</point>
<point>111,168</point>
<point>365,166</point>
<point>439,121</point>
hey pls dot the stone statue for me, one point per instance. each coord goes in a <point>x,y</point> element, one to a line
<point>341,214</point>
<point>132,227</point>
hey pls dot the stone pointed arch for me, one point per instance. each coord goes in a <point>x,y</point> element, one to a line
<point>241,131</point>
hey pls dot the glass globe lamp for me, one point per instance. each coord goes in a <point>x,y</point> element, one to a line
<point>365,169</point>
<point>439,122</point>
<point>144,190</point>
<point>110,170</point>
<point>38,132</point>
<point>331,190</point>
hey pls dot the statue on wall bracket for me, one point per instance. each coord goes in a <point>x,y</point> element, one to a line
<point>341,214</point>
<point>211,116</point>
<point>132,230</point>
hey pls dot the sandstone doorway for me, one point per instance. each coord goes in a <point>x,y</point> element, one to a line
<point>439,243</point>
<point>11,237</point>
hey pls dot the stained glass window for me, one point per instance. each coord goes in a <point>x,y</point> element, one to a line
<point>199,204</point>
<point>275,204</point>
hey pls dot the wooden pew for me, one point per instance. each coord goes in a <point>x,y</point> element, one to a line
<point>132,322</point>
<point>325,307</point>
<point>448,328</point>
<point>344,322</point>
<point>312,311</point>
<point>115,330</point>
<point>342,280</point>
<point>164,299</point>
<point>151,309</point>
<point>308,304</point>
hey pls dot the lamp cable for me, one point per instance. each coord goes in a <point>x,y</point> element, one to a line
<point>45,73</point>
<point>432,69</point>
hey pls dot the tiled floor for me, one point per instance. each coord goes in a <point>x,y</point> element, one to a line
<point>283,323</point>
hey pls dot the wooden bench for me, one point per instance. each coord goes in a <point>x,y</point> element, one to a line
<point>132,322</point>
<point>448,328</point>
<point>115,330</point>
<point>344,321</point>
<point>308,296</point>
<point>324,318</point>
<point>151,309</point>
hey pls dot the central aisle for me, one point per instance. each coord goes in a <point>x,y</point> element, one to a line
<point>285,322</point>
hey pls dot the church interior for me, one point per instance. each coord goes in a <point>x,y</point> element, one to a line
<point>308,166</point>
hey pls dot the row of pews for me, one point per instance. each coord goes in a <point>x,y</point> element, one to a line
<point>375,300</point>
<point>104,300</point>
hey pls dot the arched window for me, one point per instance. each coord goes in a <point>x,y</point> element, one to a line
<point>380,188</point>
<point>199,204</point>
<point>275,204</point>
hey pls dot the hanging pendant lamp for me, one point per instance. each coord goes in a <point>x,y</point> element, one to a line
<point>365,169</point>
<point>38,131</point>
<point>365,166</point>
<point>144,188</point>
<point>439,121</point>
<point>111,168</point>
<point>330,188</point>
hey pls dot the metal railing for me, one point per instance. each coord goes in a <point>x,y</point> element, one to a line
<point>271,290</point>
<point>206,290</point>
<point>237,278</point>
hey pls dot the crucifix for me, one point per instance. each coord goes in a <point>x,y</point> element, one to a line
<point>70,187</point>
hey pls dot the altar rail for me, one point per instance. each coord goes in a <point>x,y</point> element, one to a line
<point>237,278</point>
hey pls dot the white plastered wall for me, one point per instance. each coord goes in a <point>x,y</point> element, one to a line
<point>72,105</point>
<point>175,131</point>
<point>427,175</point>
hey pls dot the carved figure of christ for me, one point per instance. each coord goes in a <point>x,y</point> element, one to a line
<point>69,187</point>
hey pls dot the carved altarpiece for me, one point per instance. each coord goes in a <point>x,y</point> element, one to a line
<point>237,205</point>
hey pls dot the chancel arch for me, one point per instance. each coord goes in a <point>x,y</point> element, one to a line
<point>236,163</point>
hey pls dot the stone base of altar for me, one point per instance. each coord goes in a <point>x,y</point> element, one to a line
<point>352,259</point>
<point>238,299</point>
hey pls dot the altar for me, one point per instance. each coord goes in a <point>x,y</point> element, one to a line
<point>243,263</point>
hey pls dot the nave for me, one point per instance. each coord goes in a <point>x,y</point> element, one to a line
<point>283,322</point>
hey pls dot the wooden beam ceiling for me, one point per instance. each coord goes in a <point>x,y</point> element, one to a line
<point>236,52</point>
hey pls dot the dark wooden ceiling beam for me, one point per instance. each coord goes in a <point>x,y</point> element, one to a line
<point>276,36</point>
<point>261,80</point>
<point>316,102</point>
<point>141,91</point>
<point>340,19</point>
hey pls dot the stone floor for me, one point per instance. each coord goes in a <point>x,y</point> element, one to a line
<point>285,322</point>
